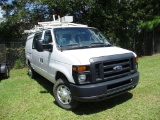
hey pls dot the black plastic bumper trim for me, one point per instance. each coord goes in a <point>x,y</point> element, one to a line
<point>100,91</point>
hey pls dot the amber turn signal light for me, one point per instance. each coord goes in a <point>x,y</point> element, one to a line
<point>137,59</point>
<point>79,68</point>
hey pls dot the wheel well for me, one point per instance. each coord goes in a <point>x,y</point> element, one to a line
<point>60,75</point>
<point>28,62</point>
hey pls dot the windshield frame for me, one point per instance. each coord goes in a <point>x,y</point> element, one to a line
<point>79,31</point>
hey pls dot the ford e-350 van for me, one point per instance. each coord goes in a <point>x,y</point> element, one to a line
<point>80,62</point>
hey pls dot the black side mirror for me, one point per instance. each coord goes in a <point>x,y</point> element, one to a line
<point>39,46</point>
<point>48,47</point>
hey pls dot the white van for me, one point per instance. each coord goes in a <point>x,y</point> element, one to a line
<point>80,61</point>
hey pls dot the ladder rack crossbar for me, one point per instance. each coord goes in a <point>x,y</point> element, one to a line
<point>64,21</point>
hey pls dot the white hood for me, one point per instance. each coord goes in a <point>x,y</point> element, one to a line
<point>84,55</point>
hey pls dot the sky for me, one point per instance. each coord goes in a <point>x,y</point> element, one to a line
<point>9,1</point>
<point>0,12</point>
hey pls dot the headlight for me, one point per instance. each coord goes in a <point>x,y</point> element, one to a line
<point>82,78</point>
<point>136,63</point>
<point>81,74</point>
<point>136,66</point>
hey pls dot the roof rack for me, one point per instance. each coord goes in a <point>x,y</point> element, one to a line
<point>64,21</point>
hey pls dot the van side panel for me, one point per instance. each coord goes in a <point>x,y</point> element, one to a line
<point>28,49</point>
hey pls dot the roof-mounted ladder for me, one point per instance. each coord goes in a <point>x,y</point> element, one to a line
<point>64,21</point>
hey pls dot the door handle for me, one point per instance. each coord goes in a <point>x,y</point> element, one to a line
<point>41,60</point>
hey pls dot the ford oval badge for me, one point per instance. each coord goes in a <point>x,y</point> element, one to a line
<point>117,68</point>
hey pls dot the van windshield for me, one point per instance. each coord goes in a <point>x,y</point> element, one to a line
<point>77,38</point>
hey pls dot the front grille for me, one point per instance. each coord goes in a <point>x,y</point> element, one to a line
<point>104,70</point>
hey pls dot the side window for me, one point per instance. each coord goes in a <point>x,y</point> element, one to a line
<point>47,37</point>
<point>37,36</point>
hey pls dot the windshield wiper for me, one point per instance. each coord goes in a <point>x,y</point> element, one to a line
<point>68,46</point>
<point>108,45</point>
<point>84,46</point>
<point>100,44</point>
<point>95,43</point>
<point>74,44</point>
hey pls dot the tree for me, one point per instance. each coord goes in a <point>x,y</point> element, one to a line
<point>20,16</point>
<point>127,21</point>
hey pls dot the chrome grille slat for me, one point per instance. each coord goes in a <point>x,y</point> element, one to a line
<point>116,76</point>
<point>124,63</point>
<point>112,71</point>
<point>109,73</point>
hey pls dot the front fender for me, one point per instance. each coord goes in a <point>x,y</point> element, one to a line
<point>66,69</point>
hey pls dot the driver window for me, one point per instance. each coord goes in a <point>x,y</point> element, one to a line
<point>37,36</point>
<point>47,37</point>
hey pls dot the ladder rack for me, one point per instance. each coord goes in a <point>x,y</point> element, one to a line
<point>64,21</point>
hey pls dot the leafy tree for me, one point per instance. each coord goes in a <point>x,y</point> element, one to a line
<point>20,16</point>
<point>132,23</point>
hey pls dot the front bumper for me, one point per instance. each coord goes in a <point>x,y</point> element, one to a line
<point>104,90</point>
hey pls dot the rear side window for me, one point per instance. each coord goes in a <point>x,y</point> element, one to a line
<point>37,36</point>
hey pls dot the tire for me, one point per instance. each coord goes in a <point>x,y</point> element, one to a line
<point>63,95</point>
<point>6,74</point>
<point>31,72</point>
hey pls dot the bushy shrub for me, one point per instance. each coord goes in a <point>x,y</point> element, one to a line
<point>14,54</point>
<point>18,64</point>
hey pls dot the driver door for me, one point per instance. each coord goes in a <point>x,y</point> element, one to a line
<point>46,56</point>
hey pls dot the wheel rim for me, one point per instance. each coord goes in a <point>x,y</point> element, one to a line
<point>30,72</point>
<point>64,94</point>
<point>7,72</point>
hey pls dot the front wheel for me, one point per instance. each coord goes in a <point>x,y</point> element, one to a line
<point>31,72</point>
<point>63,95</point>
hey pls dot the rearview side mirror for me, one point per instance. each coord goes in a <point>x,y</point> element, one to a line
<point>48,47</point>
<point>39,46</point>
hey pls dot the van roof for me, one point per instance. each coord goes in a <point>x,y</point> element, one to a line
<point>65,21</point>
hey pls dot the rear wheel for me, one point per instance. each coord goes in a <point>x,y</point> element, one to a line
<point>6,74</point>
<point>31,72</point>
<point>63,95</point>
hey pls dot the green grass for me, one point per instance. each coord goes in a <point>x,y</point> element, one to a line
<point>23,98</point>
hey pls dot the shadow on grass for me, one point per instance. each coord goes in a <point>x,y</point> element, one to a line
<point>47,85</point>
<point>95,107</point>
<point>88,107</point>
<point>2,78</point>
